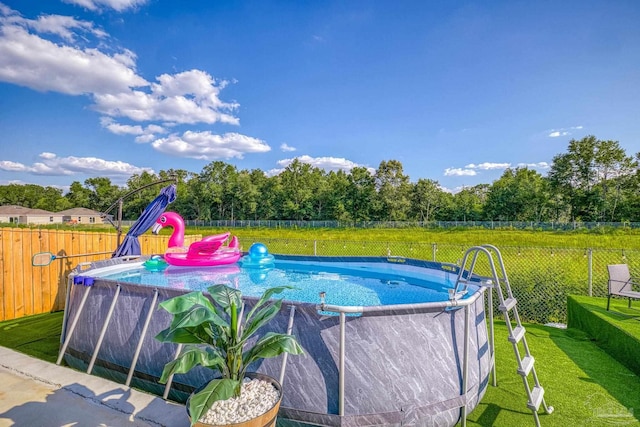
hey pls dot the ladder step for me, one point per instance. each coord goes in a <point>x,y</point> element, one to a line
<point>526,366</point>
<point>537,394</point>
<point>517,334</point>
<point>508,304</point>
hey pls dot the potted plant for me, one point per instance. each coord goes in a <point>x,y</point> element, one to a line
<point>216,333</point>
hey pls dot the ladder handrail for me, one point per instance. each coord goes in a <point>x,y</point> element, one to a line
<point>476,250</point>
<point>516,335</point>
<point>492,248</point>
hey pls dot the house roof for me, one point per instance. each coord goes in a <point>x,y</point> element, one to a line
<point>21,210</point>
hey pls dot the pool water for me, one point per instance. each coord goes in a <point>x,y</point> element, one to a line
<point>365,284</point>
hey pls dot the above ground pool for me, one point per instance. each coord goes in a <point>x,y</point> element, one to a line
<point>385,341</point>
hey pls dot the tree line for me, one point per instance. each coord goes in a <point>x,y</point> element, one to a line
<point>594,180</point>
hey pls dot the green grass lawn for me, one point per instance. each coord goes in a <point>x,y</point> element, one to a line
<point>603,238</point>
<point>583,383</point>
<point>37,336</point>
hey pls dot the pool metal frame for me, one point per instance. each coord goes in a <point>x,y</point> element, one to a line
<point>455,302</point>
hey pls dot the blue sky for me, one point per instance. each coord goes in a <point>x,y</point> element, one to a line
<point>457,90</point>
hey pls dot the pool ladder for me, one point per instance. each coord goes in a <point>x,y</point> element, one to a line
<point>507,306</point>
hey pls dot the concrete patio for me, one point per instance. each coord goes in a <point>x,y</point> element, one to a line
<point>36,393</point>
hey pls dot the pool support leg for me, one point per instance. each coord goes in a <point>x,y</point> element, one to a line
<point>167,387</point>
<point>292,312</point>
<point>73,325</point>
<point>465,366</point>
<point>341,372</point>
<point>142,336</point>
<point>104,329</point>
<point>492,347</point>
<point>65,315</point>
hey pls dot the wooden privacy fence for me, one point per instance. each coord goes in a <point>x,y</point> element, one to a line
<point>27,290</point>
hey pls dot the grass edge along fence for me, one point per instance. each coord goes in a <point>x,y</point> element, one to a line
<point>541,278</point>
<point>332,224</point>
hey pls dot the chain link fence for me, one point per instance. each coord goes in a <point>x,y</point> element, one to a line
<point>540,278</point>
<point>492,225</point>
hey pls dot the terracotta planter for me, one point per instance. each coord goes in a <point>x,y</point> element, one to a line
<point>265,420</point>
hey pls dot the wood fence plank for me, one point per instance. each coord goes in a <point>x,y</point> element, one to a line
<point>98,242</point>
<point>27,270</point>
<point>57,267</point>
<point>36,272</point>
<point>109,242</point>
<point>3,288</point>
<point>42,273</point>
<point>18,271</point>
<point>71,247</point>
<point>50,244</point>
<point>91,247</point>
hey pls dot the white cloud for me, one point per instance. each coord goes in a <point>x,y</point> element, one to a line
<point>472,168</point>
<point>187,98</point>
<point>59,25</point>
<point>208,146</point>
<point>7,165</point>
<point>539,165</point>
<point>555,133</point>
<point>142,134</point>
<point>53,165</point>
<point>120,129</point>
<point>459,172</point>
<point>285,147</point>
<point>117,5</point>
<point>12,181</point>
<point>29,60</point>
<point>325,163</point>
<point>6,10</point>
<point>448,190</point>
<point>488,166</point>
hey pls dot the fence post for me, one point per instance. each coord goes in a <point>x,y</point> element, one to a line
<point>433,251</point>
<point>590,267</point>
<point>315,248</point>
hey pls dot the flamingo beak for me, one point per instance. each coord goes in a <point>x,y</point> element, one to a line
<point>156,228</point>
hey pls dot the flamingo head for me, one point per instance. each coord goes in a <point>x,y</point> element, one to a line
<point>171,219</point>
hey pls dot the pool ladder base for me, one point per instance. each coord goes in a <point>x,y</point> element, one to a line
<point>509,307</point>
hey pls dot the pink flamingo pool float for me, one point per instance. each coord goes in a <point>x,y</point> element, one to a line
<point>204,253</point>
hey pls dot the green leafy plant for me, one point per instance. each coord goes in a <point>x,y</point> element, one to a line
<point>216,333</point>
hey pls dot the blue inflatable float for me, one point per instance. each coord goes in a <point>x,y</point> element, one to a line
<point>257,257</point>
